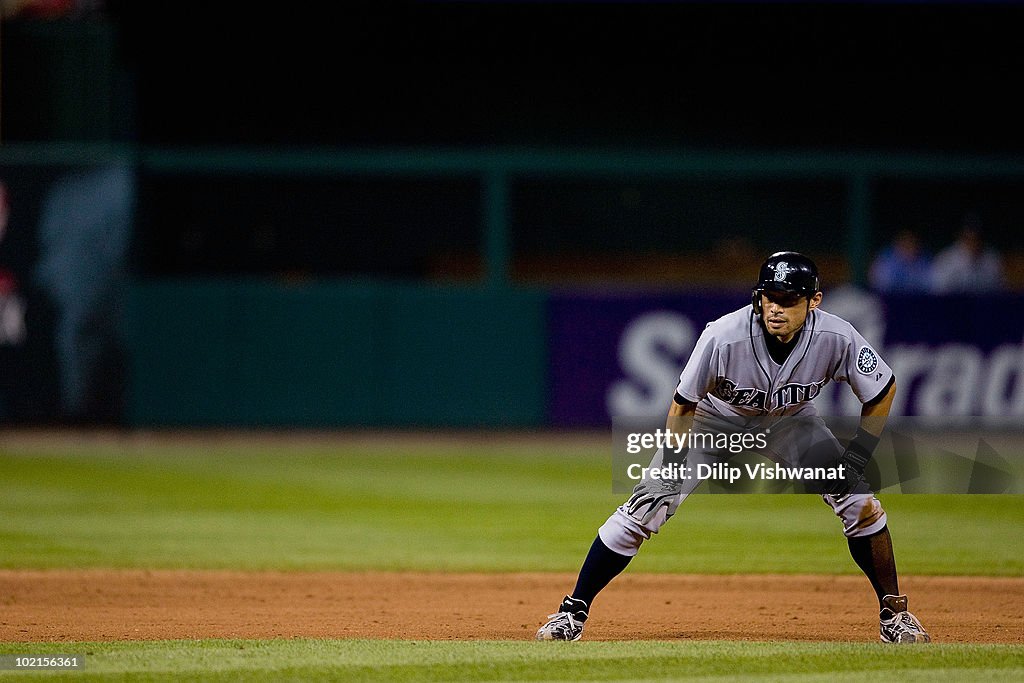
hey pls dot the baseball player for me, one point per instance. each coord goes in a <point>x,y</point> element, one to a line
<point>767,360</point>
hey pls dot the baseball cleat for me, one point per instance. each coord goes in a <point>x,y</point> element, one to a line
<point>566,623</point>
<point>897,625</point>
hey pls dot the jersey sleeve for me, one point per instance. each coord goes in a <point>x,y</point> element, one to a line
<point>700,375</point>
<point>863,368</point>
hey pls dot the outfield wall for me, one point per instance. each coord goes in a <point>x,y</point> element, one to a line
<point>281,288</point>
<point>262,353</point>
<point>334,354</point>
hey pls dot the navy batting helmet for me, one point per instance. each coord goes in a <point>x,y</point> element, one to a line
<point>786,271</point>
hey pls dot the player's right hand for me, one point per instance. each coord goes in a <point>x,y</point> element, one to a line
<point>649,496</point>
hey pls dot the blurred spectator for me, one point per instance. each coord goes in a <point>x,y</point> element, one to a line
<point>968,265</point>
<point>7,280</point>
<point>84,235</point>
<point>13,331</point>
<point>12,307</point>
<point>902,266</point>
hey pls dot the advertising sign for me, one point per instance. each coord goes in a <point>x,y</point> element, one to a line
<point>621,354</point>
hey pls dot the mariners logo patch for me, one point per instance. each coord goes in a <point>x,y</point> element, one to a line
<point>867,361</point>
<point>782,269</point>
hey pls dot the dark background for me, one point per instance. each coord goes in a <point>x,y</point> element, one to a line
<point>933,77</point>
<point>912,75</point>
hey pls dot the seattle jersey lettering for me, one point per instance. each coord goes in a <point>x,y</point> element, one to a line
<point>786,395</point>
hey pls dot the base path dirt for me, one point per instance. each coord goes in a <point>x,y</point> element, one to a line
<point>57,605</point>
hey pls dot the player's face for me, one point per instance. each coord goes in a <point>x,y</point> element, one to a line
<point>785,312</point>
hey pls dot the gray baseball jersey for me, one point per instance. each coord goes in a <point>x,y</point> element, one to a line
<point>730,372</point>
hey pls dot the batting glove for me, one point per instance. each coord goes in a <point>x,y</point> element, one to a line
<point>649,496</point>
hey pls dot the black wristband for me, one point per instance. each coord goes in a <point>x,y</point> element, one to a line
<point>864,442</point>
<point>859,450</point>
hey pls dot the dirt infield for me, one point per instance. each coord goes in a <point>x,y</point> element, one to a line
<point>56,605</point>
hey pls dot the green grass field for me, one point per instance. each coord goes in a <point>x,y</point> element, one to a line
<point>367,660</point>
<point>307,504</point>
